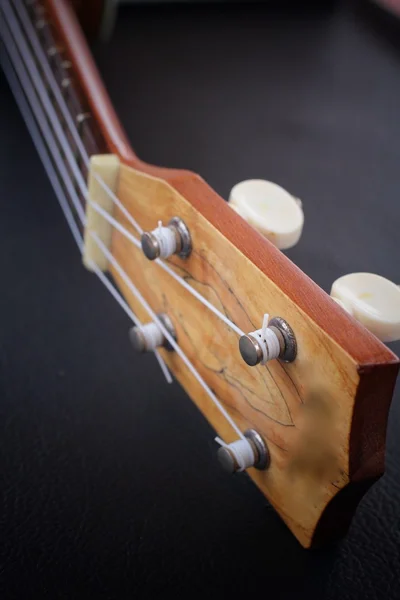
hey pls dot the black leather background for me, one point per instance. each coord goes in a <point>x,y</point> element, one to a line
<point>110,486</point>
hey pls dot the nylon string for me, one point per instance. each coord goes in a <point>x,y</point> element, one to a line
<point>27,115</point>
<point>41,118</point>
<point>126,213</point>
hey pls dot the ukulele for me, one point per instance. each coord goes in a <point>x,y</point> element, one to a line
<point>296,383</point>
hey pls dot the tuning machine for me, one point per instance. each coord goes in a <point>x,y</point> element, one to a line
<point>163,242</point>
<point>270,209</point>
<point>275,339</point>
<point>371,299</point>
<point>252,451</point>
<point>150,337</point>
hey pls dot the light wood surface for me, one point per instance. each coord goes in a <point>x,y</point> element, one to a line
<point>304,410</point>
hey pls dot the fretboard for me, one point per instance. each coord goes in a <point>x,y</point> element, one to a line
<point>37,62</point>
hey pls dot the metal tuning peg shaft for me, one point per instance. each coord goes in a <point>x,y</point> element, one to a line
<point>243,454</point>
<point>163,242</point>
<point>275,339</point>
<point>371,299</point>
<point>270,209</point>
<point>149,337</point>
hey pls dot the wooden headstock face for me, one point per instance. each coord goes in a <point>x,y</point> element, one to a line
<point>323,416</point>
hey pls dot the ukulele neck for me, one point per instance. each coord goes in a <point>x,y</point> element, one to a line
<point>88,81</point>
<point>57,60</point>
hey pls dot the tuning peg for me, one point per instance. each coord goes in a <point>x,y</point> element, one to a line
<point>373,300</point>
<point>244,453</point>
<point>163,242</point>
<point>275,339</point>
<point>270,209</point>
<point>150,337</point>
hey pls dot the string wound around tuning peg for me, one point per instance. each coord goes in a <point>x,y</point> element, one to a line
<point>249,451</point>
<point>149,337</point>
<point>275,339</point>
<point>164,241</point>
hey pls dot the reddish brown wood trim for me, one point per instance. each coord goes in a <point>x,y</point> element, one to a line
<point>65,21</point>
<point>370,416</point>
<point>367,450</point>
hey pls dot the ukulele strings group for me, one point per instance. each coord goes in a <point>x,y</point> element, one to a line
<point>35,104</point>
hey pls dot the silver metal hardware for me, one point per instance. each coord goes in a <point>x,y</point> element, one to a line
<point>53,50</point>
<point>251,350</point>
<point>227,460</point>
<point>262,456</point>
<point>150,245</point>
<point>289,347</point>
<point>151,242</point>
<point>137,335</point>
<point>184,235</point>
<point>81,117</point>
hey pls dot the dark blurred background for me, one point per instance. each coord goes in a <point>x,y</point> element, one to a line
<point>111,488</point>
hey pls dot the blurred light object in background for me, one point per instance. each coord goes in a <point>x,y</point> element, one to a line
<point>392,6</point>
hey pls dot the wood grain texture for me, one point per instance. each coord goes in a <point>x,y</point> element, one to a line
<point>312,412</point>
<point>325,415</point>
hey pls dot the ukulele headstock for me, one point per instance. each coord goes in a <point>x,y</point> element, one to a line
<point>315,417</point>
<point>300,398</point>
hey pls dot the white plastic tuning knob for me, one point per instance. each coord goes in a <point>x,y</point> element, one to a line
<point>270,209</point>
<point>372,300</point>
